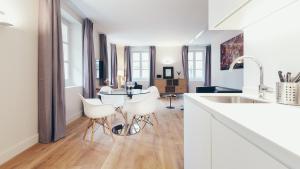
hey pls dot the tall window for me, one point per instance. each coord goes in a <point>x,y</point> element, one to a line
<point>66,50</point>
<point>196,65</point>
<point>140,65</point>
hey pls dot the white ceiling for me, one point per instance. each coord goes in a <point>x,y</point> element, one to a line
<point>147,22</point>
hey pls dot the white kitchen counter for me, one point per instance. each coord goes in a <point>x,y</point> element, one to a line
<point>271,127</point>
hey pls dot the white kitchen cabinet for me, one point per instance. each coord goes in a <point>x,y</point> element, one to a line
<point>238,14</point>
<point>231,151</point>
<point>197,136</point>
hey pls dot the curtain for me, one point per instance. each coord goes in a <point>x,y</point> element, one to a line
<point>152,64</point>
<point>185,53</point>
<point>103,58</point>
<point>207,81</point>
<point>51,87</point>
<point>114,66</point>
<point>89,63</point>
<point>127,61</point>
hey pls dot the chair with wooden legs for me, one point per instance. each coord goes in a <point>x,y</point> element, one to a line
<point>97,113</point>
<point>141,111</point>
<point>156,95</point>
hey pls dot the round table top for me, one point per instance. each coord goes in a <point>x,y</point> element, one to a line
<point>125,92</point>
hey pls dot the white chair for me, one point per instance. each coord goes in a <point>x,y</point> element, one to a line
<point>141,111</point>
<point>154,92</point>
<point>116,100</point>
<point>97,113</point>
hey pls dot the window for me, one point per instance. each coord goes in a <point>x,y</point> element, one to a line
<point>196,65</point>
<point>66,50</point>
<point>140,65</point>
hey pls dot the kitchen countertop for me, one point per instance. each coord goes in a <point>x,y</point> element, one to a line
<point>272,127</point>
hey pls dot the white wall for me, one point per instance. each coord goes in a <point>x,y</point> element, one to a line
<point>18,72</point>
<point>73,103</point>
<point>224,78</point>
<point>275,42</point>
<point>169,56</point>
<point>165,56</point>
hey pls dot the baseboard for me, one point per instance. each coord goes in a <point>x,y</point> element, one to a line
<point>74,117</point>
<point>18,148</point>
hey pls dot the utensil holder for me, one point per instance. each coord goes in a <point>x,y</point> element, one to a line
<point>288,93</point>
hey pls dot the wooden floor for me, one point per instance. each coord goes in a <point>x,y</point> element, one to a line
<point>158,147</point>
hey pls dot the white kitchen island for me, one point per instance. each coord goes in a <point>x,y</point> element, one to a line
<point>240,135</point>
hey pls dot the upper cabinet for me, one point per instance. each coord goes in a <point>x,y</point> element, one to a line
<point>238,14</point>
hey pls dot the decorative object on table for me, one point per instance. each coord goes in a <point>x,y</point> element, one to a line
<point>230,50</point>
<point>129,87</point>
<point>168,72</point>
<point>178,74</point>
<point>288,89</point>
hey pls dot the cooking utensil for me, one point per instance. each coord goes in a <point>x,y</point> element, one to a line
<point>288,76</point>
<point>297,80</point>
<point>280,76</point>
<point>296,77</point>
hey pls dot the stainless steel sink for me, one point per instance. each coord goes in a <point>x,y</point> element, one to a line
<point>232,99</point>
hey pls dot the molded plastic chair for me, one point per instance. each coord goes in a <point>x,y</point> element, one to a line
<point>154,91</point>
<point>141,110</point>
<point>97,113</point>
<point>116,100</point>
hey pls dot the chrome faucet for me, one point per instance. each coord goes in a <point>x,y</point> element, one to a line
<point>262,87</point>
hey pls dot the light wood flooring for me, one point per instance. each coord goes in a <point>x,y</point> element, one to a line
<point>158,147</point>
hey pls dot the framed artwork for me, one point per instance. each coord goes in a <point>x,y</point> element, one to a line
<point>168,72</point>
<point>230,50</point>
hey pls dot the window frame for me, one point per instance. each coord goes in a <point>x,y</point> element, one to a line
<point>69,81</point>
<point>140,51</point>
<point>194,51</point>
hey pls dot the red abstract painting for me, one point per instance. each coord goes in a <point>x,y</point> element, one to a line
<point>230,50</point>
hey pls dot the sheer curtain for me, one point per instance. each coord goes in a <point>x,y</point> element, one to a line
<point>152,64</point>
<point>127,62</point>
<point>207,81</point>
<point>185,53</point>
<point>51,87</point>
<point>89,62</point>
<point>114,66</point>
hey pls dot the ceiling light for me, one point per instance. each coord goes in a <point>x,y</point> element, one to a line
<point>3,20</point>
<point>199,34</point>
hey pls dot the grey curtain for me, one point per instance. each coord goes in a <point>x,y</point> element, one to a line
<point>152,64</point>
<point>114,66</point>
<point>207,81</point>
<point>185,53</point>
<point>89,62</point>
<point>127,61</point>
<point>103,58</point>
<point>51,89</point>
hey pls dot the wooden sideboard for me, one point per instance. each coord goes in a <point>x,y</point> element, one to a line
<point>171,85</point>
